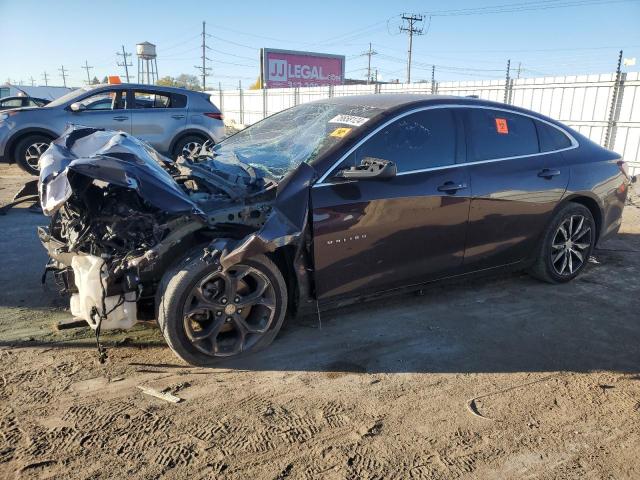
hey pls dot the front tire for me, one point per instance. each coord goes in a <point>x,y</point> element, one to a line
<point>29,150</point>
<point>566,245</point>
<point>207,315</point>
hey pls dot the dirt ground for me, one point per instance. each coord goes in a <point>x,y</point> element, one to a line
<point>495,378</point>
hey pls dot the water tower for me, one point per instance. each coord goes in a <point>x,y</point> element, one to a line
<point>147,64</point>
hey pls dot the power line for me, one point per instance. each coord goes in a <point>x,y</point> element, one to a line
<point>204,69</point>
<point>411,30</point>
<point>231,54</point>
<point>521,7</point>
<point>63,74</point>
<point>87,68</point>
<point>124,63</point>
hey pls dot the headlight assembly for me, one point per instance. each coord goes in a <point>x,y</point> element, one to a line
<point>54,193</point>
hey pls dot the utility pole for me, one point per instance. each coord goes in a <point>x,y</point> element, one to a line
<point>507,81</point>
<point>411,30</point>
<point>46,79</point>
<point>124,63</point>
<point>32,80</point>
<point>433,79</point>
<point>369,53</point>
<point>63,74</point>
<point>610,135</point>
<point>87,68</point>
<point>203,69</point>
<point>519,69</point>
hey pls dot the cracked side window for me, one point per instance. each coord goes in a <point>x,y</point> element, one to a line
<point>421,140</point>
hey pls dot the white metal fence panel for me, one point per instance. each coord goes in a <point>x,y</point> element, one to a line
<point>584,102</point>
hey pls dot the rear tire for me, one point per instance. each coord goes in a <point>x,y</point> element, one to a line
<point>204,322</point>
<point>188,145</point>
<point>28,151</point>
<point>566,245</point>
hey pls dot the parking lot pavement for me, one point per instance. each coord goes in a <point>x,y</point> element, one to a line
<point>495,378</point>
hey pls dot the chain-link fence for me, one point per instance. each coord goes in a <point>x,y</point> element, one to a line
<point>605,107</point>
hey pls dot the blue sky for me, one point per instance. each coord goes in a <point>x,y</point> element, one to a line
<point>39,36</point>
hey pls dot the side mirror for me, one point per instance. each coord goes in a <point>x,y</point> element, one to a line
<point>77,107</point>
<point>370,168</point>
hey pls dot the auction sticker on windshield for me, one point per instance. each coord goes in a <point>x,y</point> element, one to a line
<point>349,120</point>
<point>340,132</point>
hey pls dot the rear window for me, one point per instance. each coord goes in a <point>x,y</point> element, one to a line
<point>494,134</point>
<point>151,99</point>
<point>551,138</point>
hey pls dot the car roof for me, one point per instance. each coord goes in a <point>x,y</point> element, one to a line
<point>396,101</point>
<point>146,87</point>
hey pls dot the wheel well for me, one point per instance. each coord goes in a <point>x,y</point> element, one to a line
<point>594,208</point>
<point>18,138</point>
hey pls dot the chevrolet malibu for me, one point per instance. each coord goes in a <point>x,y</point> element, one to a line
<point>339,199</point>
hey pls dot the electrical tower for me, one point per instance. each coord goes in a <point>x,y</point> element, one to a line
<point>203,68</point>
<point>87,68</point>
<point>411,30</point>
<point>124,63</point>
<point>45,77</point>
<point>369,53</point>
<point>63,74</point>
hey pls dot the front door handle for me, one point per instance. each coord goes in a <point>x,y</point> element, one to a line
<point>177,117</point>
<point>120,118</point>
<point>451,187</point>
<point>548,173</point>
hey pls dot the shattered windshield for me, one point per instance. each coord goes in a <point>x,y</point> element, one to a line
<point>280,143</point>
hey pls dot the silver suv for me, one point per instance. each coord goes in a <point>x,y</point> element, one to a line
<point>173,120</point>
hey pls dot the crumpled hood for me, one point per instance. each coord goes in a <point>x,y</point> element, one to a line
<point>115,158</point>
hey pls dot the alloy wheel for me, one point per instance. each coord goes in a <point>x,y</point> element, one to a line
<point>228,312</point>
<point>191,149</point>
<point>33,153</point>
<point>571,244</point>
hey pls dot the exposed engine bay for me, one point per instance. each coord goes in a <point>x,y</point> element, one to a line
<point>121,214</point>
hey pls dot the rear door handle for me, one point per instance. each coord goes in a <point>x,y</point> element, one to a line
<point>120,118</point>
<point>548,173</point>
<point>451,187</point>
<point>177,117</point>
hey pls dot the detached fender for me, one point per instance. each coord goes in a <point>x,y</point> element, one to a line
<point>286,223</point>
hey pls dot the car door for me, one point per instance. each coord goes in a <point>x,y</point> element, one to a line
<point>516,185</point>
<point>104,109</point>
<point>372,235</point>
<point>158,117</point>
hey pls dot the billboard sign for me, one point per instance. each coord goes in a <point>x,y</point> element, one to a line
<point>288,68</point>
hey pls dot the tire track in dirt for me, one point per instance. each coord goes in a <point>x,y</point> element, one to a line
<point>10,435</point>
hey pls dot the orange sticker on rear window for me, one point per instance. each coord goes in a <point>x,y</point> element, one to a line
<point>501,126</point>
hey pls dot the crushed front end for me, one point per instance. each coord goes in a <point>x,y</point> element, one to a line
<point>121,214</point>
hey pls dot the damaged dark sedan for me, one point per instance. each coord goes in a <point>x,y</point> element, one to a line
<point>332,200</point>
